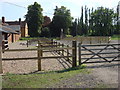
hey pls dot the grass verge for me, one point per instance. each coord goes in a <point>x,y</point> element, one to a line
<point>40,80</point>
<point>115,37</point>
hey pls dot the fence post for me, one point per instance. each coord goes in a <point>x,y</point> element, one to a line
<point>59,47</point>
<point>39,55</point>
<point>1,71</point>
<point>68,53</point>
<point>74,54</point>
<point>79,53</point>
<point>27,42</point>
<point>90,40</point>
<point>62,49</point>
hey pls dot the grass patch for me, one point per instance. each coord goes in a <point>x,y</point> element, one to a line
<point>28,38</point>
<point>42,80</point>
<point>115,37</point>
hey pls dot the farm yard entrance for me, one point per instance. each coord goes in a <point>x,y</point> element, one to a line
<point>98,53</point>
<point>48,50</point>
<point>57,50</point>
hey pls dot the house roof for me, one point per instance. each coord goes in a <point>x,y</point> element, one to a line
<point>13,22</point>
<point>21,23</point>
<point>7,30</point>
<point>14,27</point>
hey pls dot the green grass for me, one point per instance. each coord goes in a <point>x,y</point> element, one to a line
<point>28,38</point>
<point>115,37</point>
<point>42,80</point>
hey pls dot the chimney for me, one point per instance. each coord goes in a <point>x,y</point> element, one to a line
<point>19,20</point>
<point>3,19</point>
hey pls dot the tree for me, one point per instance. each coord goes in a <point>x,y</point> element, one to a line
<point>34,19</point>
<point>81,21</point>
<point>102,19</point>
<point>45,32</point>
<point>86,22</point>
<point>73,28</point>
<point>61,20</point>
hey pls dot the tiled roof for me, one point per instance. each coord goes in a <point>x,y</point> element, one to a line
<point>13,22</point>
<point>14,27</point>
<point>7,30</point>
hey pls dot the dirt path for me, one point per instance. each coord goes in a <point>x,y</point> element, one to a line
<point>28,66</point>
<point>103,75</point>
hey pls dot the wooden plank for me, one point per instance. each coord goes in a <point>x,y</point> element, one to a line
<point>56,48</point>
<point>79,53</point>
<point>1,71</point>
<point>102,53</point>
<point>62,49</point>
<point>30,58</point>
<point>74,53</point>
<point>99,57</point>
<point>67,53</point>
<point>100,45</point>
<point>99,62</point>
<point>12,50</point>
<point>101,49</point>
<point>39,56</point>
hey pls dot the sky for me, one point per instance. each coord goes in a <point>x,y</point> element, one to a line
<point>12,10</point>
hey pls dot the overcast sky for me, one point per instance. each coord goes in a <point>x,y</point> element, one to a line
<point>13,9</point>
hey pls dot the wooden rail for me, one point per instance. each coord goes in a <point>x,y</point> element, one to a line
<point>1,70</point>
<point>45,47</point>
<point>90,39</point>
<point>100,48</point>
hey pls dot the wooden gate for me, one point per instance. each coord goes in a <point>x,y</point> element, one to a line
<point>98,53</point>
<point>48,46</point>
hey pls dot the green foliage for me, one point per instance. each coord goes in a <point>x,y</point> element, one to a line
<point>61,20</point>
<point>73,28</point>
<point>115,37</point>
<point>45,32</point>
<point>34,19</point>
<point>102,20</point>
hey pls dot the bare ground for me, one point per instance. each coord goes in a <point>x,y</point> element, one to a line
<point>28,66</point>
<point>102,75</point>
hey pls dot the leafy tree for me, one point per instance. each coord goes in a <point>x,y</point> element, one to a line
<point>86,22</point>
<point>45,32</point>
<point>61,20</point>
<point>73,28</point>
<point>102,20</point>
<point>34,19</point>
<point>81,21</point>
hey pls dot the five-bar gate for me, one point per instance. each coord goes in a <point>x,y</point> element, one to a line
<point>98,53</point>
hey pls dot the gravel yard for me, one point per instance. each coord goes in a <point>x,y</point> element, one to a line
<point>28,66</point>
<point>102,74</point>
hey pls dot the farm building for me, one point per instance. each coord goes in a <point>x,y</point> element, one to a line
<point>18,26</point>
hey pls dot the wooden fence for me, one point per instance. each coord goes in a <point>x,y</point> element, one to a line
<point>1,71</point>
<point>90,39</point>
<point>88,53</point>
<point>48,46</point>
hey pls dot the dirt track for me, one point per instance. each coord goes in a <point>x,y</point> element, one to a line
<point>104,74</point>
<point>28,66</point>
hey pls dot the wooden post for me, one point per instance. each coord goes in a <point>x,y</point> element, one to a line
<point>1,71</point>
<point>68,53</point>
<point>27,42</point>
<point>74,53</point>
<point>39,55</point>
<point>90,40</point>
<point>3,46</point>
<point>62,49</point>
<point>79,53</point>
<point>59,50</point>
